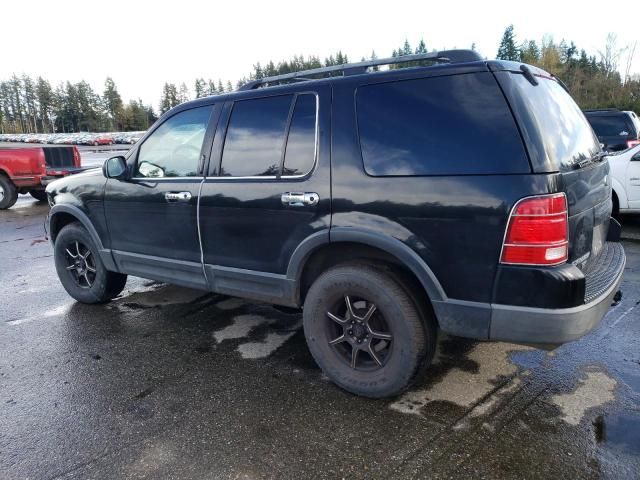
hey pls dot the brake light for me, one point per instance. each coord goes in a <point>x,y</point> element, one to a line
<point>632,143</point>
<point>537,232</point>
<point>76,157</point>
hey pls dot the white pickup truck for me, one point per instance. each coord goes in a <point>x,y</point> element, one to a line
<point>625,172</point>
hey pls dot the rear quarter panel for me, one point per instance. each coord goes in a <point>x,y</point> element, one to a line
<point>456,224</point>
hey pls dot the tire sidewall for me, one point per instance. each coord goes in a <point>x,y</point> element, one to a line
<point>67,236</point>
<point>10,193</point>
<point>406,352</point>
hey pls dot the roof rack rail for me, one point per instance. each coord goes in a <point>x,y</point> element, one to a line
<point>601,110</point>
<point>445,56</point>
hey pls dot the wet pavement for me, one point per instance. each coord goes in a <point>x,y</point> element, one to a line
<point>166,382</point>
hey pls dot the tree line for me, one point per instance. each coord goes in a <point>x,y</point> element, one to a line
<point>594,81</point>
<point>32,105</point>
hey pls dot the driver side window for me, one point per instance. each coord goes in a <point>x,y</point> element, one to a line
<point>173,149</point>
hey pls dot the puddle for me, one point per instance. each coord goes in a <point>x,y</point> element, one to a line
<point>244,325</point>
<point>264,348</point>
<point>630,380</point>
<point>465,387</point>
<point>240,328</point>
<point>619,432</point>
<point>594,390</point>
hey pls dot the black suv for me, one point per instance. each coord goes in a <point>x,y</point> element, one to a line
<point>616,130</point>
<point>466,195</point>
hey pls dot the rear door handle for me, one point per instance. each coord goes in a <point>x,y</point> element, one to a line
<point>300,199</point>
<point>177,196</point>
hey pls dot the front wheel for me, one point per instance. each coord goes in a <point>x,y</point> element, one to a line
<point>366,332</point>
<point>80,269</point>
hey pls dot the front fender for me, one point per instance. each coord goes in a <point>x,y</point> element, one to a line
<point>62,213</point>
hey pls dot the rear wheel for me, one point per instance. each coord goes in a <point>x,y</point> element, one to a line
<point>80,269</point>
<point>365,331</point>
<point>39,195</point>
<point>8,193</point>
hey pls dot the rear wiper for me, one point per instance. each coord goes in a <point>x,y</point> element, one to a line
<point>588,161</point>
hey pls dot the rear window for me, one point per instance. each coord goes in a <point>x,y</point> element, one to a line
<point>609,125</point>
<point>565,133</point>
<point>256,135</point>
<point>447,125</point>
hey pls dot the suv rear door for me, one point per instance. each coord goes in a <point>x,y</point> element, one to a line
<point>268,190</point>
<point>152,217</point>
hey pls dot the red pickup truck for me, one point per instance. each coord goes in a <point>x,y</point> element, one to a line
<point>30,169</point>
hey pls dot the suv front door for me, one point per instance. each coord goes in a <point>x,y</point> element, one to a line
<point>268,191</point>
<point>152,217</point>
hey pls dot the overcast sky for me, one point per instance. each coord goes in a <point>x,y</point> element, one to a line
<point>143,44</point>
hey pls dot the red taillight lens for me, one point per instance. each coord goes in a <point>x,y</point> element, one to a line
<point>538,232</point>
<point>632,143</point>
<point>76,157</point>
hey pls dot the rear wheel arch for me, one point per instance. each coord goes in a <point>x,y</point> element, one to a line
<point>399,261</point>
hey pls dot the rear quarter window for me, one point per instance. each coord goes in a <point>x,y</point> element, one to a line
<point>449,125</point>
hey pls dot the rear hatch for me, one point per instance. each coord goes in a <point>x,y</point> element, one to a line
<point>562,145</point>
<point>59,157</point>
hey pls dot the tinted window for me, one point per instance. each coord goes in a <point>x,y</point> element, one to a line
<point>173,149</point>
<point>253,146</point>
<point>301,144</point>
<point>563,128</point>
<point>609,125</point>
<point>438,126</point>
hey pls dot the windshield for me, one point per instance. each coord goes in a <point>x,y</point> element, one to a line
<point>567,136</point>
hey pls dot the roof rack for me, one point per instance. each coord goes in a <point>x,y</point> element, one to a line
<point>444,56</point>
<point>601,110</point>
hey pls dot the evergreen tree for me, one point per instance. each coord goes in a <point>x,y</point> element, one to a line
<point>508,49</point>
<point>113,104</point>
<point>200,88</point>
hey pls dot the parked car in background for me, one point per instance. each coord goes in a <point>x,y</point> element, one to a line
<point>29,169</point>
<point>469,196</point>
<point>625,172</point>
<point>617,130</point>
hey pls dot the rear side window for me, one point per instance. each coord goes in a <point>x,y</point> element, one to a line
<point>255,137</point>
<point>609,125</point>
<point>301,143</point>
<point>448,125</point>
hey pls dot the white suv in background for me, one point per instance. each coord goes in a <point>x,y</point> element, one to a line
<point>625,173</point>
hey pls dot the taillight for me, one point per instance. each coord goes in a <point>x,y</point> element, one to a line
<point>537,232</point>
<point>632,143</point>
<point>76,157</point>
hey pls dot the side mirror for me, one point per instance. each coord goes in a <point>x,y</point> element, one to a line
<point>115,167</point>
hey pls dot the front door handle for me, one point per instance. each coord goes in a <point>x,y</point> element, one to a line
<point>177,196</point>
<point>300,199</point>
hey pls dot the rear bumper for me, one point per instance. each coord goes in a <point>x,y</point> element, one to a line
<point>551,326</point>
<point>536,325</point>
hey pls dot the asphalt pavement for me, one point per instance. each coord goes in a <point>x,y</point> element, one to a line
<point>167,382</point>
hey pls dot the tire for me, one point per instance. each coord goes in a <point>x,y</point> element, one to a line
<point>91,287</point>
<point>39,195</point>
<point>8,193</point>
<point>402,340</point>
